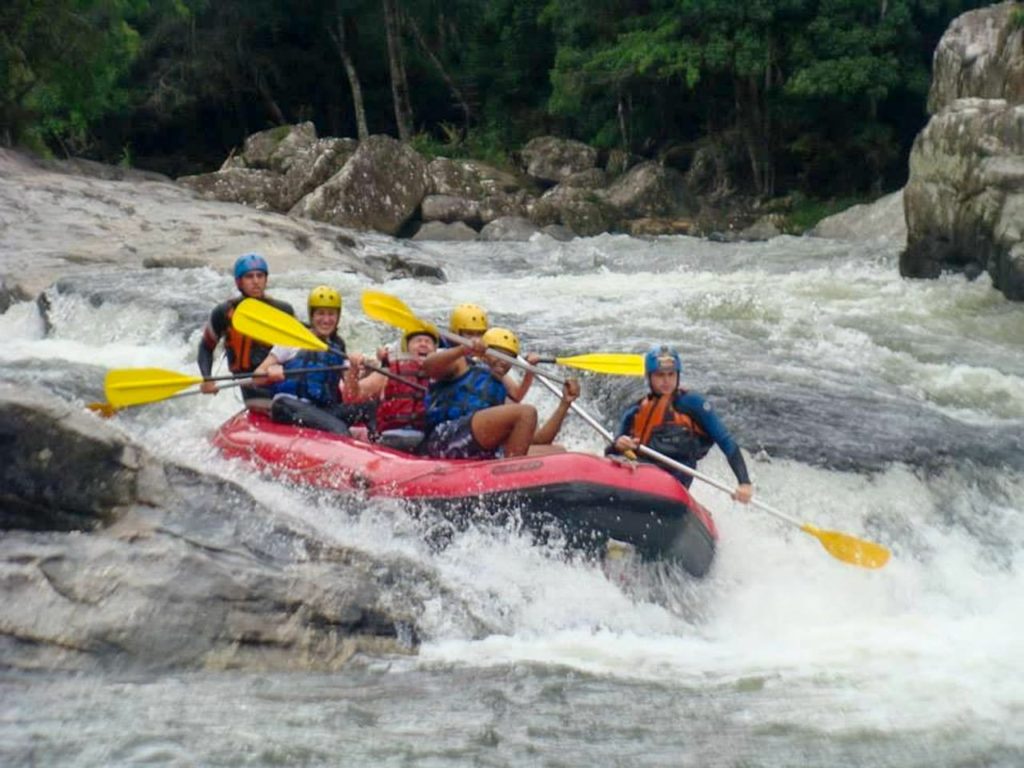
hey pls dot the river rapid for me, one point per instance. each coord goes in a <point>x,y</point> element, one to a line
<point>883,408</point>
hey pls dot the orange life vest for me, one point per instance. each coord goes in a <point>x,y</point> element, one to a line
<point>656,412</point>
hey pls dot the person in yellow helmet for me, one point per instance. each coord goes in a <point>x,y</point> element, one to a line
<point>470,321</point>
<point>469,412</point>
<point>401,413</point>
<point>306,384</point>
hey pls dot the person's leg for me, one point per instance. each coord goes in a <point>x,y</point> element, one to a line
<point>511,425</point>
<point>291,410</point>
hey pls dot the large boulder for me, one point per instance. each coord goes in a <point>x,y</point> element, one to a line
<point>881,220</point>
<point>965,197</point>
<point>981,55</point>
<point>550,160</point>
<point>115,559</point>
<point>311,166</point>
<point>275,148</point>
<point>650,190</point>
<point>379,188</point>
<point>509,228</point>
<point>583,211</point>
<point>260,189</point>
<point>965,194</point>
<point>449,208</point>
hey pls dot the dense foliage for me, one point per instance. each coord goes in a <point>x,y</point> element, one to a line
<point>819,96</point>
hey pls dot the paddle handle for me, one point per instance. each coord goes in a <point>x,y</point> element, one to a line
<point>519,363</point>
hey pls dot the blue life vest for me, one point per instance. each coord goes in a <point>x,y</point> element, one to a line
<point>321,387</point>
<point>473,391</point>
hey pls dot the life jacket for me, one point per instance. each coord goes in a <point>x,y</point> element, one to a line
<point>244,353</point>
<point>319,387</point>
<point>402,406</point>
<point>660,426</point>
<point>473,391</point>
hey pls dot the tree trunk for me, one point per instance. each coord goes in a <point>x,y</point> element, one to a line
<point>353,79</point>
<point>456,93</point>
<point>399,84</point>
<point>751,115</point>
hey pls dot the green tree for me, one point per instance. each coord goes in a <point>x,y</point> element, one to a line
<point>62,64</point>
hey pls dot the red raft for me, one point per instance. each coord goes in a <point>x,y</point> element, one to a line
<point>592,498</point>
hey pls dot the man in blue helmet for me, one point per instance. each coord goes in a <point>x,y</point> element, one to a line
<point>244,354</point>
<point>678,423</point>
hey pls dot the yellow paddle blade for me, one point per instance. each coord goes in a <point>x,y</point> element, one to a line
<point>850,550</point>
<point>271,326</point>
<point>614,363</point>
<point>135,386</point>
<point>392,310</point>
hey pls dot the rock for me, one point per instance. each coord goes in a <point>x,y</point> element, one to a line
<point>448,208</point>
<point>964,198</point>
<point>651,227</point>
<point>259,189</point>
<point>650,190</point>
<point>440,230</point>
<point>558,232</point>
<point>275,148</point>
<point>619,161</point>
<point>509,228</point>
<point>310,167</point>
<point>584,211</point>
<point>881,220</point>
<point>981,55</point>
<point>593,178</point>
<point>379,188</point>
<point>410,265</point>
<point>500,204</point>
<point>765,228</point>
<point>82,227</point>
<point>551,160</point>
<point>168,568</point>
<point>10,293</point>
<point>469,179</point>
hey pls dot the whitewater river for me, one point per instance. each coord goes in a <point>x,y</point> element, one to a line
<point>887,409</point>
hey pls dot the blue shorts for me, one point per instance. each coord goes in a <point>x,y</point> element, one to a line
<point>454,440</point>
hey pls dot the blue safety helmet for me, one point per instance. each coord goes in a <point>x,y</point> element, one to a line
<point>250,262</point>
<point>662,357</point>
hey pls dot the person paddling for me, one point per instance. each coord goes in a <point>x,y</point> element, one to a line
<point>678,423</point>
<point>468,412</point>
<point>470,321</point>
<point>243,353</point>
<point>311,399</point>
<point>400,398</point>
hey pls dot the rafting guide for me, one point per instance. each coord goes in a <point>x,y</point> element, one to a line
<point>243,352</point>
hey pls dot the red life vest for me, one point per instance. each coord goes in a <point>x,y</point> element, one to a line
<point>401,406</point>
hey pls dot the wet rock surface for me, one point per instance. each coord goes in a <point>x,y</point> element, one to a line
<point>114,559</point>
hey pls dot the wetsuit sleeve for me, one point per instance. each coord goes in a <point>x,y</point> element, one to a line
<point>214,329</point>
<point>701,411</point>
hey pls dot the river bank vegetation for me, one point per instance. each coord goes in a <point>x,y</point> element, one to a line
<point>818,97</point>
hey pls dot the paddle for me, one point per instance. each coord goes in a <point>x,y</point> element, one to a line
<point>107,410</point>
<point>137,386</point>
<point>612,363</point>
<point>841,546</point>
<point>269,325</point>
<point>393,311</point>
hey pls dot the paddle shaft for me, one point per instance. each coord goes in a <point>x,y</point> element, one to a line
<point>395,376</point>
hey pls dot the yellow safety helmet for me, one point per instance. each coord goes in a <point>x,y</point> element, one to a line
<point>468,317</point>
<point>503,339</point>
<point>420,330</point>
<point>323,297</point>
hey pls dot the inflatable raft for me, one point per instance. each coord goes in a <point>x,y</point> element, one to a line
<point>592,498</point>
